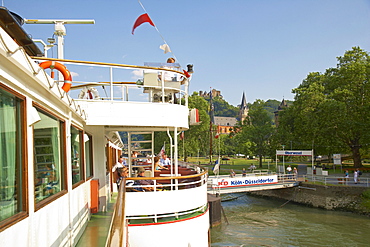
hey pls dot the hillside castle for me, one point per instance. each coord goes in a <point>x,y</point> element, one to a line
<point>225,124</point>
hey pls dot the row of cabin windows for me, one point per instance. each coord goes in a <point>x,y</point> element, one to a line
<point>50,173</point>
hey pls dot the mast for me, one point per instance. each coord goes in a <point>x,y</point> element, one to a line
<point>211,122</point>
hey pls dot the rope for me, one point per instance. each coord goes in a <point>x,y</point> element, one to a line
<point>295,194</point>
<point>155,26</point>
<point>231,199</point>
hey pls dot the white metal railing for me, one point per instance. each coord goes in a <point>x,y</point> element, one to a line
<point>327,180</point>
<point>19,54</point>
<point>114,82</point>
<point>176,183</point>
<point>260,172</point>
<point>287,178</point>
<point>163,217</point>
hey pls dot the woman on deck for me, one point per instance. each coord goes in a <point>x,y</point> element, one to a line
<point>157,164</point>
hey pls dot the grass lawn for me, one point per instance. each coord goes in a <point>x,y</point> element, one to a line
<point>237,164</point>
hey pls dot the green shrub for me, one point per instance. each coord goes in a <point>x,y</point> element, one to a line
<point>366,199</point>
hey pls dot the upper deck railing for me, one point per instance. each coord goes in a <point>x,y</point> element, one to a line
<point>168,182</point>
<point>122,82</point>
<point>164,197</point>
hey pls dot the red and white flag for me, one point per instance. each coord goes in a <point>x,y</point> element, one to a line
<point>194,117</point>
<point>166,48</point>
<point>162,152</point>
<point>142,19</point>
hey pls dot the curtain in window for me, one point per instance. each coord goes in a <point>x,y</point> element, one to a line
<point>8,154</point>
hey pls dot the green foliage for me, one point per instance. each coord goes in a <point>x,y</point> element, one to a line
<point>366,199</point>
<point>330,114</point>
<point>197,137</point>
<point>256,131</point>
<point>271,106</point>
<point>331,110</point>
<point>223,108</point>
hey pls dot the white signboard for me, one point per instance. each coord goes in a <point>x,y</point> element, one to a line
<point>244,181</point>
<point>293,153</point>
<point>337,159</point>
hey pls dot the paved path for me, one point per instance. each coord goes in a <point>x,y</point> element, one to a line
<point>336,178</point>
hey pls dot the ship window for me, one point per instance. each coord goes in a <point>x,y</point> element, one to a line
<point>77,165</point>
<point>88,155</point>
<point>48,156</point>
<point>12,193</point>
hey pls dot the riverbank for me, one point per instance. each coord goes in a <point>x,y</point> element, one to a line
<point>343,198</point>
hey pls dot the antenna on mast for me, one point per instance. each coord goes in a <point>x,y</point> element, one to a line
<point>59,29</point>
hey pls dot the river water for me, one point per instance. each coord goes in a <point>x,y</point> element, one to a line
<point>255,221</point>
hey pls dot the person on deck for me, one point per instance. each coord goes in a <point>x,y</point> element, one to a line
<point>157,164</point>
<point>244,172</point>
<point>232,173</point>
<point>165,161</point>
<point>145,182</point>
<point>169,76</point>
<point>295,172</point>
<point>117,171</point>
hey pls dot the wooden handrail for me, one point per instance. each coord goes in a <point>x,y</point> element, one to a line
<point>166,178</point>
<point>107,64</point>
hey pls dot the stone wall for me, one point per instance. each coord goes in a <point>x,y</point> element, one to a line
<point>344,198</point>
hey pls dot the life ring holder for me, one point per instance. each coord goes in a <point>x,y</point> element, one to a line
<point>62,69</point>
<point>89,93</point>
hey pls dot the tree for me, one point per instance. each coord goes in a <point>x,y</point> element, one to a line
<point>257,129</point>
<point>197,137</point>
<point>223,108</point>
<point>331,110</point>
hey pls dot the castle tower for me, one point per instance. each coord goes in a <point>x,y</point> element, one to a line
<point>243,109</point>
<point>283,105</point>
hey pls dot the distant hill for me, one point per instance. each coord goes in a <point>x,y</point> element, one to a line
<point>223,109</point>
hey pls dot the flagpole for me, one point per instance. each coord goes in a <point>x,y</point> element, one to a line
<point>210,127</point>
<point>210,142</point>
<point>219,145</point>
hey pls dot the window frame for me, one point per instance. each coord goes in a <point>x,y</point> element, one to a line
<point>24,204</point>
<point>82,157</point>
<point>91,175</point>
<point>63,156</point>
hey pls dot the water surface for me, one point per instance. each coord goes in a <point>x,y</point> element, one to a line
<point>255,221</point>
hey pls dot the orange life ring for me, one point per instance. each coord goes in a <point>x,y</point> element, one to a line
<point>62,69</point>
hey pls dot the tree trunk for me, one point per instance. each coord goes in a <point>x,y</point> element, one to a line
<point>355,147</point>
<point>260,161</point>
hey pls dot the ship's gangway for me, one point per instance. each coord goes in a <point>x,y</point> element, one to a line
<point>225,184</point>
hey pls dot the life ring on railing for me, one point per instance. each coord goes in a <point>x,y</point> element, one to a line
<point>89,93</point>
<point>62,69</point>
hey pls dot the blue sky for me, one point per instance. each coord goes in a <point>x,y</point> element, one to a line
<point>262,47</point>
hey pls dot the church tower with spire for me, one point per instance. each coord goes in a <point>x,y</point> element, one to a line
<point>243,109</point>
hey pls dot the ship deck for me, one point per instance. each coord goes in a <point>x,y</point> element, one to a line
<point>96,232</point>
